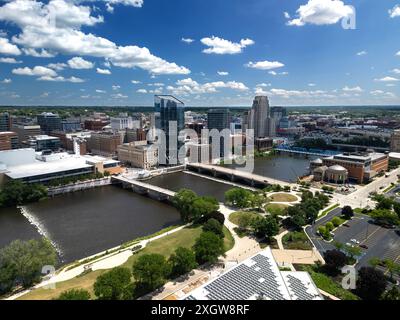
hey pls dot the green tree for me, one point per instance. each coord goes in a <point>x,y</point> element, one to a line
<point>384,217</point>
<point>183,201</point>
<point>74,294</point>
<point>150,272</point>
<point>214,226</point>
<point>266,227</point>
<point>208,247</point>
<point>21,262</point>
<point>384,204</point>
<point>392,267</point>
<point>182,261</point>
<point>15,192</point>
<point>371,283</point>
<point>114,285</point>
<point>238,197</point>
<point>203,206</point>
<point>347,212</point>
<point>334,261</point>
<point>393,294</point>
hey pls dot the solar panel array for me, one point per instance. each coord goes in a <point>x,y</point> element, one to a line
<point>244,282</point>
<point>299,289</point>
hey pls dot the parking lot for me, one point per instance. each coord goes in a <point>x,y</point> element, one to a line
<point>376,242</point>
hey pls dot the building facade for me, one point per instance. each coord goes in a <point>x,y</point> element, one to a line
<point>258,117</point>
<point>139,154</point>
<point>49,122</point>
<point>5,122</point>
<point>8,140</point>
<point>104,143</point>
<point>395,141</point>
<point>42,142</point>
<point>171,115</point>
<point>361,167</point>
<point>25,131</point>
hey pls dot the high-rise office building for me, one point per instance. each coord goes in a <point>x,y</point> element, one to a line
<point>4,122</point>
<point>171,116</point>
<point>49,122</point>
<point>258,117</point>
<point>276,114</point>
<point>219,119</point>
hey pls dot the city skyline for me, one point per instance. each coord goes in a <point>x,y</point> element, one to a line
<point>296,53</point>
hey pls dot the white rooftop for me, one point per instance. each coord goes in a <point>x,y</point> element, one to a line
<point>44,168</point>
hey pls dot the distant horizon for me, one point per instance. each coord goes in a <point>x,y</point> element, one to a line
<point>199,107</point>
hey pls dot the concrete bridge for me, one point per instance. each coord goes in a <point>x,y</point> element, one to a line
<point>234,175</point>
<point>143,188</point>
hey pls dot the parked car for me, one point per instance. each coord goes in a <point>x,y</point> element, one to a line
<point>363,246</point>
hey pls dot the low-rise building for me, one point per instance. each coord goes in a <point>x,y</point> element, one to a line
<point>8,140</point>
<point>358,167</point>
<point>395,141</point>
<point>258,278</point>
<point>24,131</point>
<point>139,154</point>
<point>35,167</point>
<point>104,143</point>
<point>42,142</point>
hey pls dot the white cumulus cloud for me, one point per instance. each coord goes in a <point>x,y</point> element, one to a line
<point>103,71</point>
<point>44,26</point>
<point>221,46</point>
<point>321,12</point>
<point>8,48</point>
<point>265,65</point>
<point>79,63</point>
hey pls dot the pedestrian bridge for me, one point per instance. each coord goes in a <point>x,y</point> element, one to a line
<point>143,188</point>
<point>234,175</point>
<point>307,152</point>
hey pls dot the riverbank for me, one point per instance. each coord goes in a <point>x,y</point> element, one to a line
<point>78,186</point>
<point>165,244</point>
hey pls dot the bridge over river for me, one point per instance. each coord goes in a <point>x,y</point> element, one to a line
<point>143,188</point>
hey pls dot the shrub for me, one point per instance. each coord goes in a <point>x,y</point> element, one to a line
<point>74,294</point>
<point>329,226</point>
<point>336,221</point>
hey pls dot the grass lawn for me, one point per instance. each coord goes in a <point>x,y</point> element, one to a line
<point>235,217</point>
<point>276,208</point>
<point>327,284</point>
<point>282,197</point>
<point>165,246</point>
<point>296,241</point>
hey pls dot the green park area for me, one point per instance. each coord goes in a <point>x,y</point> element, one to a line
<point>165,246</point>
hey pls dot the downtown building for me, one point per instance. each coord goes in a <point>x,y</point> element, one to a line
<point>8,140</point>
<point>5,122</point>
<point>104,143</point>
<point>139,154</point>
<point>49,122</point>
<point>170,119</point>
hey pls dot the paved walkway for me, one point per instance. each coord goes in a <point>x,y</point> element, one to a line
<point>243,248</point>
<point>107,262</point>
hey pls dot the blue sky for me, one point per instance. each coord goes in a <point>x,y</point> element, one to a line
<point>206,52</point>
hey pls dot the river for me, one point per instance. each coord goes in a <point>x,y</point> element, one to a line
<point>85,223</point>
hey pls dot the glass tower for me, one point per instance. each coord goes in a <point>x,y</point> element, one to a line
<point>171,121</point>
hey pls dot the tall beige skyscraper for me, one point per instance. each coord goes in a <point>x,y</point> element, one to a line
<point>258,117</point>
